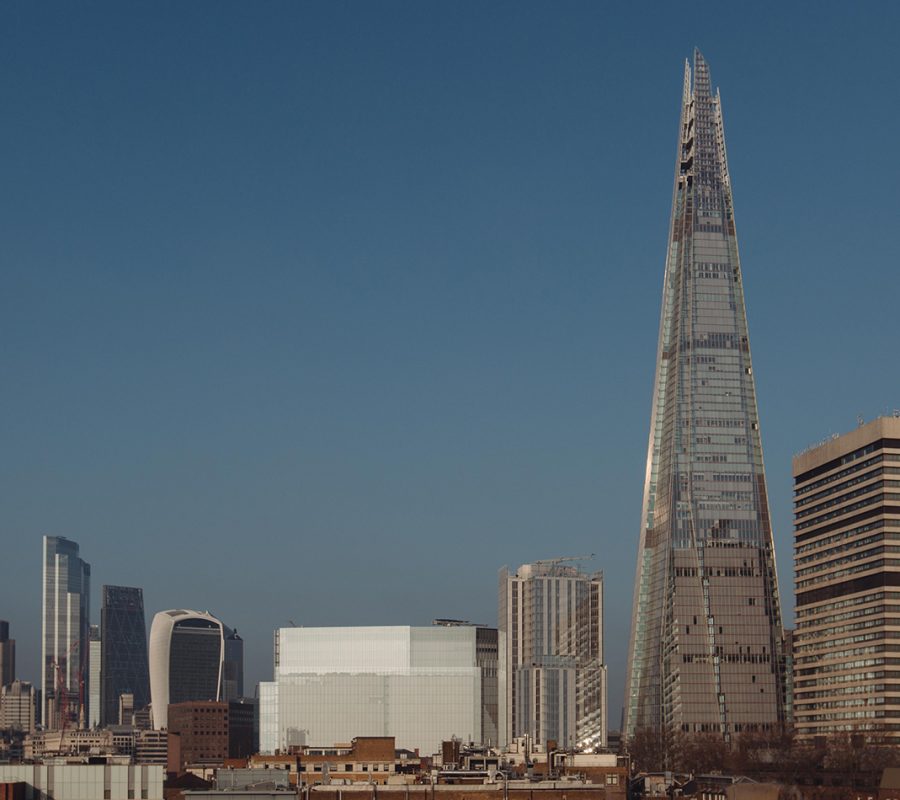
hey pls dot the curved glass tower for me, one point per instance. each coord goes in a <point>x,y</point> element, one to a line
<point>705,651</point>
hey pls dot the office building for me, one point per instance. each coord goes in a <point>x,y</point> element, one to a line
<point>233,672</point>
<point>202,728</point>
<point>125,662</point>
<point>96,648</point>
<point>17,702</point>
<point>66,781</point>
<point>64,634</point>
<point>847,572</point>
<point>126,708</point>
<point>704,655</point>
<point>421,685</point>
<point>552,673</point>
<point>7,655</point>
<point>187,660</point>
<point>487,659</point>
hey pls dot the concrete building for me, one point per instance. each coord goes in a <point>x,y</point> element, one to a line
<point>86,781</point>
<point>188,657</point>
<point>422,685</point>
<point>93,684</point>
<point>847,573</point>
<point>65,627</point>
<point>125,662</point>
<point>552,682</point>
<point>487,659</point>
<point>17,701</point>
<point>7,655</point>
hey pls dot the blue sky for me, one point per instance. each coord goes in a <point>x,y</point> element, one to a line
<point>326,311</point>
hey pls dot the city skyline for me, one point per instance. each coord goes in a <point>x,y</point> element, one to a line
<point>350,282</point>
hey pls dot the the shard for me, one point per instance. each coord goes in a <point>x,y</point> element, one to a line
<point>705,650</point>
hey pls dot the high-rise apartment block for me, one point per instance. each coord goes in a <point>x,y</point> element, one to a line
<point>552,684</point>
<point>125,661</point>
<point>188,660</point>
<point>847,572</point>
<point>422,685</point>
<point>65,626</point>
<point>706,627</point>
<point>7,655</point>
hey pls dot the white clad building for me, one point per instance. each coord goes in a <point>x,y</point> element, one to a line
<point>50,781</point>
<point>419,685</point>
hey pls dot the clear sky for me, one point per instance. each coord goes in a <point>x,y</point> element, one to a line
<point>326,311</point>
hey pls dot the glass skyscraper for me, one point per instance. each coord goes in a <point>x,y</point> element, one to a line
<point>190,659</point>
<point>124,650</point>
<point>64,634</point>
<point>705,651</point>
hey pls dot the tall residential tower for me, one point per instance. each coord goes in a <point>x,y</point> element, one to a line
<point>552,683</point>
<point>705,652</point>
<point>846,535</point>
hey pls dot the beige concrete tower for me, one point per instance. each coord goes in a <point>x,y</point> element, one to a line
<point>847,571</point>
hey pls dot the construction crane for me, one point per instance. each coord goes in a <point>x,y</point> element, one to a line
<point>62,690</point>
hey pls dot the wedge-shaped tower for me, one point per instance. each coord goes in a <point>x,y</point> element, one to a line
<point>705,651</point>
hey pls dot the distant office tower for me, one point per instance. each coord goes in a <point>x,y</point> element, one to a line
<point>187,660</point>
<point>706,620</point>
<point>126,708</point>
<point>233,674</point>
<point>64,635</point>
<point>846,535</point>
<point>421,685</point>
<point>552,674</point>
<point>7,655</point>
<point>125,664</point>
<point>94,683</point>
<point>17,706</point>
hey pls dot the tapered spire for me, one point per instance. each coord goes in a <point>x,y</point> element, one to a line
<point>706,632</point>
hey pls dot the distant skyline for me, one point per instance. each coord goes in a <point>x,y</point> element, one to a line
<point>324,312</point>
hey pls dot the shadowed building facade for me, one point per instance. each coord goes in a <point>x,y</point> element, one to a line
<point>124,650</point>
<point>705,650</point>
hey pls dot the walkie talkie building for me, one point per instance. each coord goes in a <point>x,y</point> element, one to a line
<point>705,651</point>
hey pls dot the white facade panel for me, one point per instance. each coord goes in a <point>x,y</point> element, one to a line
<point>419,685</point>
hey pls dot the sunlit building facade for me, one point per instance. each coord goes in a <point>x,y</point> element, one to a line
<point>188,656</point>
<point>705,650</point>
<point>552,672</point>
<point>420,685</point>
<point>65,654</point>
<point>847,570</point>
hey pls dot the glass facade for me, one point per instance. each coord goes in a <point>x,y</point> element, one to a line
<point>705,651</point>
<point>419,685</point>
<point>65,655</point>
<point>195,658</point>
<point>124,635</point>
<point>552,676</point>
